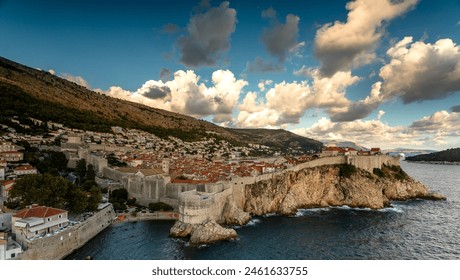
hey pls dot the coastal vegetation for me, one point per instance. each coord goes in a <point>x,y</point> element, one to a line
<point>52,191</point>
<point>346,170</point>
<point>450,155</point>
<point>160,206</point>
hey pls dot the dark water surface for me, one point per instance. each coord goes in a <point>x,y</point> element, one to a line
<point>417,229</point>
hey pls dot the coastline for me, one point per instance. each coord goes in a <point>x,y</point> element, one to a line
<point>158,215</point>
<point>434,162</point>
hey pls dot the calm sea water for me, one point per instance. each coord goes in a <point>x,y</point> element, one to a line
<point>416,229</point>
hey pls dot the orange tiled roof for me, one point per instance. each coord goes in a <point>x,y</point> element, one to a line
<point>24,167</point>
<point>7,182</point>
<point>38,212</point>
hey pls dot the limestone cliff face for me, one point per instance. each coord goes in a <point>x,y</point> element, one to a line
<point>233,215</point>
<point>326,186</point>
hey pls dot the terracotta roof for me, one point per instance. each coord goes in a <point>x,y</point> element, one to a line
<point>11,152</point>
<point>7,182</point>
<point>375,149</point>
<point>25,167</point>
<point>38,212</point>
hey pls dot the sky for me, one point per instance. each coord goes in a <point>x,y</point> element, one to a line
<point>381,73</point>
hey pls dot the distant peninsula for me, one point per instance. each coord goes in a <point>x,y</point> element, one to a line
<point>450,155</point>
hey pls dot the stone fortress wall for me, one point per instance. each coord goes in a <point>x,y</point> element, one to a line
<point>199,202</point>
<point>60,245</point>
<point>196,206</point>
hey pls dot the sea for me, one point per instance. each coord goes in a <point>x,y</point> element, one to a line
<point>414,230</point>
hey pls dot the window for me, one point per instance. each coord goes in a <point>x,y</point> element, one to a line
<point>49,219</point>
<point>60,216</point>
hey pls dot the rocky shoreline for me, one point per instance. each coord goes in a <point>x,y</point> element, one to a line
<point>322,186</point>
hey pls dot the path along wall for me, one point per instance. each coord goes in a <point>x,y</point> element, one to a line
<point>64,243</point>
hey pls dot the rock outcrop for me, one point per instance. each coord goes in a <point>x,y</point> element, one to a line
<point>207,232</point>
<point>325,186</point>
<point>233,215</point>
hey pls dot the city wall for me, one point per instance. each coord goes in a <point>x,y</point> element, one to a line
<point>198,204</point>
<point>64,243</point>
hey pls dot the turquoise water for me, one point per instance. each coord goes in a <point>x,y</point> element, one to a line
<point>417,229</point>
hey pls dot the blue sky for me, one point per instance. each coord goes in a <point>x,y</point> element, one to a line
<point>378,72</point>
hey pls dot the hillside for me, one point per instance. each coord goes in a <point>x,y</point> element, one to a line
<point>451,155</point>
<point>27,92</point>
<point>346,144</point>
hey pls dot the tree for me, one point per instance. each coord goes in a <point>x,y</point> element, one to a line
<point>58,160</point>
<point>160,206</point>
<point>90,174</point>
<point>80,169</point>
<point>77,199</point>
<point>94,199</point>
<point>43,189</point>
<point>88,184</point>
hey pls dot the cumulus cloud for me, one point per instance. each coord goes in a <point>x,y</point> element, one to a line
<point>77,79</point>
<point>359,109</point>
<point>421,71</point>
<point>51,71</point>
<point>436,130</point>
<point>261,85</point>
<point>286,103</point>
<point>439,121</point>
<point>208,36</point>
<point>380,114</point>
<point>371,133</point>
<point>341,46</point>
<point>186,94</point>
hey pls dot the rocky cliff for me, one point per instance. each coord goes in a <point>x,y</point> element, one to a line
<point>332,185</point>
<point>207,232</point>
<point>321,186</point>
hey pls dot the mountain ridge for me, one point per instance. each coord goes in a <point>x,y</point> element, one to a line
<point>40,94</point>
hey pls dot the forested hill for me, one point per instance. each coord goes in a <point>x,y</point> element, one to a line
<point>450,155</point>
<point>27,92</point>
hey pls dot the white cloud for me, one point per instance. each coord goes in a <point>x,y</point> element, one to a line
<point>437,130</point>
<point>421,71</point>
<point>185,94</point>
<point>380,114</point>
<point>286,103</point>
<point>76,79</point>
<point>359,109</point>
<point>261,85</point>
<point>52,72</point>
<point>340,46</point>
<point>369,133</point>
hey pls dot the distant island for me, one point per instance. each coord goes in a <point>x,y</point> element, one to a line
<point>450,155</point>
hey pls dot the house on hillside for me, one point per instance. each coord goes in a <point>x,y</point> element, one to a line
<point>375,151</point>
<point>5,188</point>
<point>11,156</point>
<point>8,247</point>
<point>26,169</point>
<point>38,221</point>
<point>332,152</point>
